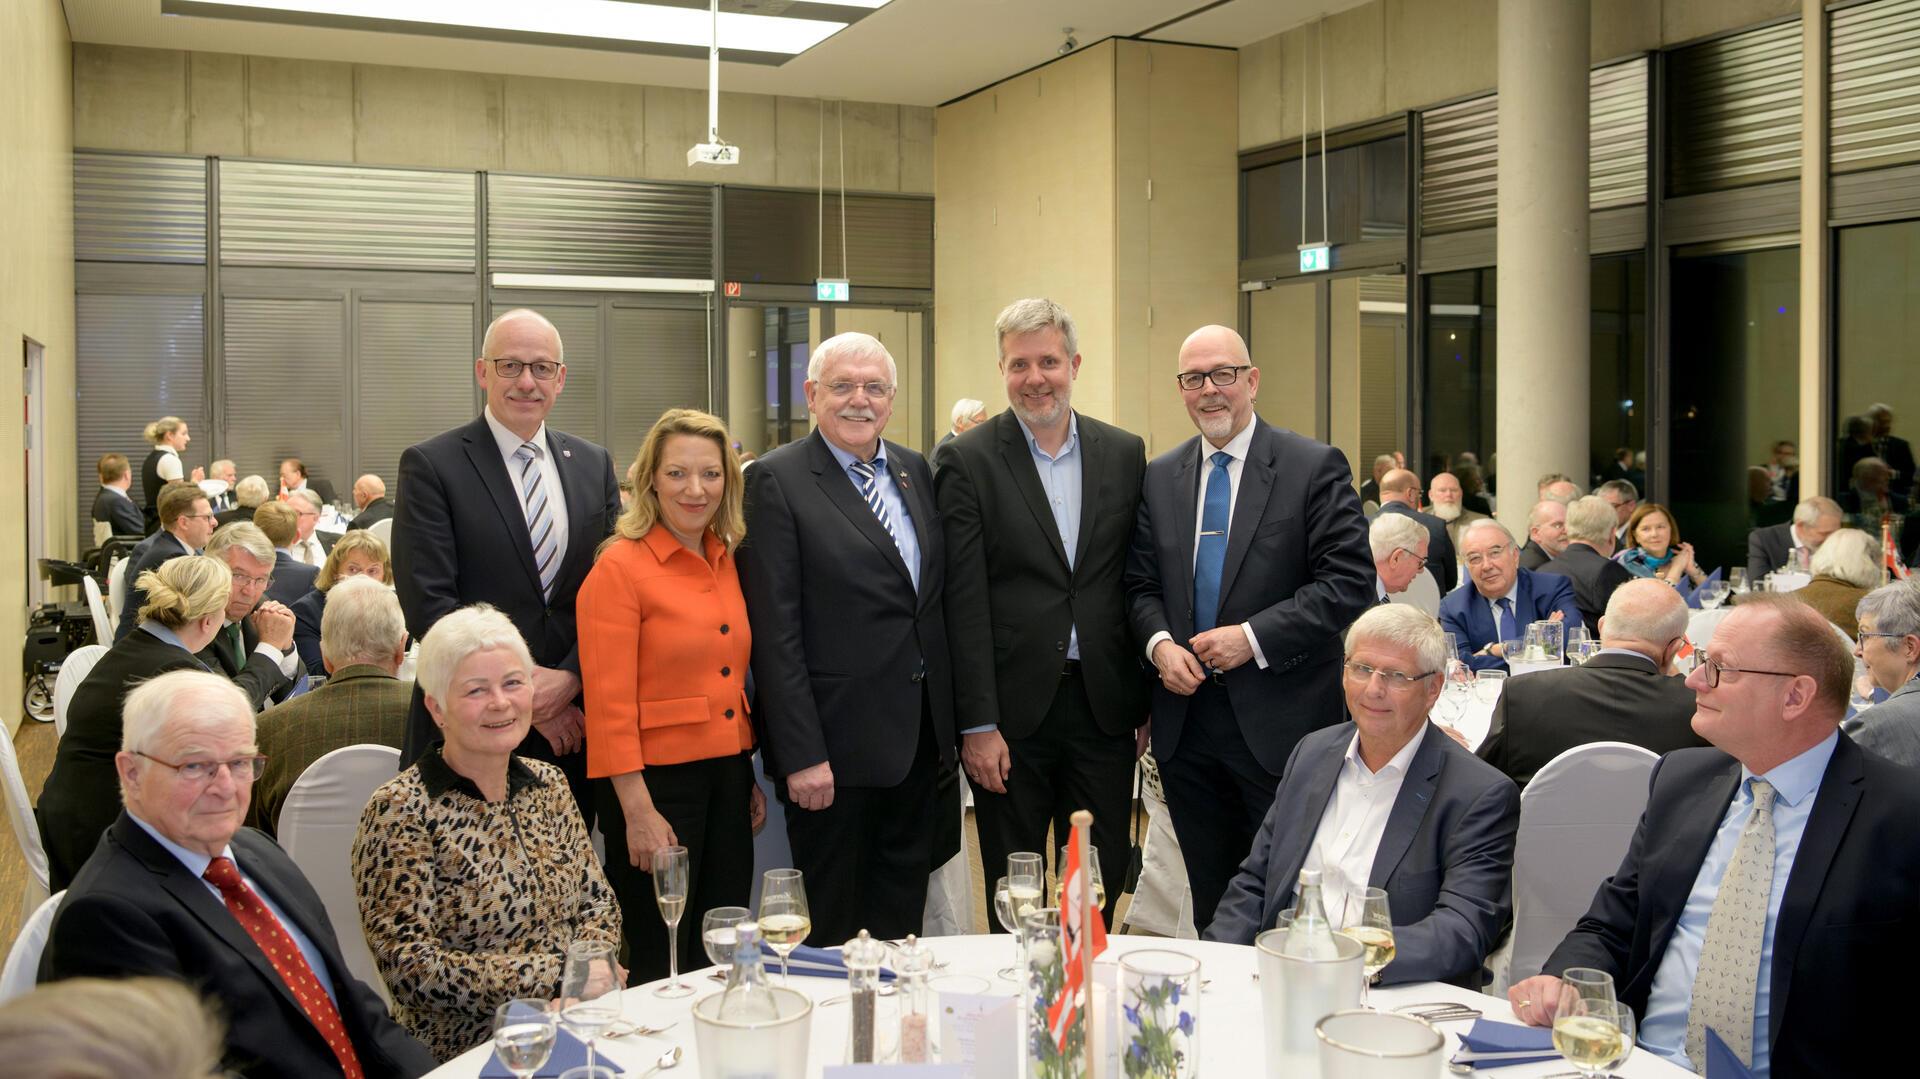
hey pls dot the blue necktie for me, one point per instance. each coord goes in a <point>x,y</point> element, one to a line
<point>1509,629</point>
<point>1210,554</point>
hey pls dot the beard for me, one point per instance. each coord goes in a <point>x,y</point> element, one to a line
<point>1041,418</point>
<point>1446,511</point>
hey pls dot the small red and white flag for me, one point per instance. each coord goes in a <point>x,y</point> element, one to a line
<point>1891,550</point>
<point>1073,919</point>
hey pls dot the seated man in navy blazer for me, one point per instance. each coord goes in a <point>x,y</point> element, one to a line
<point>1500,599</point>
<point>1389,801</point>
<point>178,889</point>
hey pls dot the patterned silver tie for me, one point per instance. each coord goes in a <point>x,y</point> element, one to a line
<point>863,474</point>
<point>546,547</point>
<point>1728,976</point>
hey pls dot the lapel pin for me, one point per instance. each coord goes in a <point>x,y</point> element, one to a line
<point>566,453</point>
<point>904,485</point>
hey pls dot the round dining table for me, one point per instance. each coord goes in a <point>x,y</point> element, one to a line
<point>1229,1016</point>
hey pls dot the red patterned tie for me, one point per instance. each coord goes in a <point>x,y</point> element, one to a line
<point>285,956</point>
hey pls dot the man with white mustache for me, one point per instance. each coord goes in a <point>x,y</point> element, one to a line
<point>1249,560</point>
<point>1038,505</point>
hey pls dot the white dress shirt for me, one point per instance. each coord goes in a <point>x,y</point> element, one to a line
<point>168,467</point>
<point>549,477</point>
<point>1236,450</point>
<point>1349,833</point>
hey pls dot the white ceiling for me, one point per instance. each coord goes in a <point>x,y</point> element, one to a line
<point>911,52</point>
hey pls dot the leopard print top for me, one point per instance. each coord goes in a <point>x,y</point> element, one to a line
<point>468,903</point>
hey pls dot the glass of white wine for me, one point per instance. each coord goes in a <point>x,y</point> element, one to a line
<point>590,990</point>
<point>1026,884</point>
<point>1099,886</point>
<point>717,935</point>
<point>1594,1035</point>
<point>523,1035</point>
<point>1369,921</point>
<point>670,889</point>
<point>784,921</point>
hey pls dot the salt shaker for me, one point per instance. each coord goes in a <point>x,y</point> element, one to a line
<point>913,966</point>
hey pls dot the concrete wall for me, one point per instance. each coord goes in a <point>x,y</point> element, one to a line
<point>168,101</point>
<point>36,298</point>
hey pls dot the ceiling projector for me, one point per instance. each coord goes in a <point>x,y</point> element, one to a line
<point>714,153</point>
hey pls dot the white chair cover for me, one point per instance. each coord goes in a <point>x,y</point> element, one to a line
<point>1162,900</point>
<point>1576,819</point>
<point>26,830</point>
<point>317,825</point>
<point>23,959</point>
<point>116,592</point>
<point>1423,592</point>
<point>383,528</point>
<point>73,671</point>
<point>97,607</point>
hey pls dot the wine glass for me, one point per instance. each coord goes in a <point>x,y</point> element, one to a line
<point>1586,983</point>
<point>1369,922</point>
<point>1488,684</point>
<point>1025,883</point>
<point>1595,1035</point>
<point>717,933</point>
<point>784,921</point>
<point>523,1035</point>
<point>1009,921</point>
<point>1099,886</point>
<point>670,889</point>
<point>590,990</point>
<point>1737,579</point>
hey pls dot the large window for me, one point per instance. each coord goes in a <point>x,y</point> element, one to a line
<point>1365,196</point>
<point>1876,327</point>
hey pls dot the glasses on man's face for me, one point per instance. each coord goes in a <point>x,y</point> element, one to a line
<point>1219,376</point>
<point>1360,674</point>
<point>544,370</point>
<point>1711,670</point>
<point>1417,556</point>
<point>248,580</point>
<point>1491,554</point>
<point>196,516</point>
<point>243,769</point>
<point>871,389</point>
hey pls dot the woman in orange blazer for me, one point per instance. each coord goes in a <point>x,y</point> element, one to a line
<point>664,645</point>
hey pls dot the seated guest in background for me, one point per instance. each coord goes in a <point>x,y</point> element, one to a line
<point>114,512</point>
<point>364,640</point>
<point>1473,490</point>
<point>1891,448</point>
<point>473,868</point>
<point>1400,494</point>
<point>186,523</point>
<point>1768,549</point>
<point>1400,547</point>
<point>1444,500</point>
<point>295,477</point>
<point>1786,840</point>
<point>292,578</point>
<point>1396,805</point>
<point>1624,497</point>
<point>370,502</point>
<point>1845,569</point>
<point>223,472</point>
<point>1586,559</point>
<point>1626,693</point>
<point>248,495</point>
<point>967,413</point>
<point>309,546</point>
<point>255,646</point>
<point>1546,533</point>
<point>1762,510</point>
<point>1557,486</point>
<point>1889,645</point>
<point>1872,496</point>
<point>1500,600</point>
<point>178,888</point>
<point>1655,549</point>
<point>186,604</point>
<point>1783,472</point>
<point>358,553</point>
<point>1370,490</point>
<point>83,1028</point>
<point>669,745</point>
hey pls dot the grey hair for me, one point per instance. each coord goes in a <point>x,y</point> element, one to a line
<point>1624,489</point>
<point>362,623</point>
<point>1810,510</point>
<point>486,341</point>
<point>1590,520</point>
<point>241,536</point>
<point>1852,556</point>
<point>964,409</point>
<point>1479,523</point>
<point>84,1028</point>
<point>1031,315</point>
<point>1404,626</point>
<point>855,346</point>
<point>1552,478</point>
<point>1878,409</point>
<point>215,467</point>
<point>307,494</point>
<point>479,628</point>
<point>1645,610</point>
<point>1537,516</point>
<point>177,694</point>
<point>251,491</point>
<point>1390,532</point>
<point>1894,608</point>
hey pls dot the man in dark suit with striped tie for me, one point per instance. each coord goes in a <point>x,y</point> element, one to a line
<point>508,511</point>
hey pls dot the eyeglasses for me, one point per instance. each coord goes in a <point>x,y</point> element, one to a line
<point>196,517</point>
<point>243,769</point>
<point>247,580</point>
<point>1864,634</point>
<point>1491,554</point>
<point>544,370</point>
<point>1422,559</point>
<point>1360,674</point>
<point>872,389</point>
<point>1219,376</point>
<point>1714,670</point>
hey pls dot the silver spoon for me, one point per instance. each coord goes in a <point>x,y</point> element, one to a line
<point>667,1060</point>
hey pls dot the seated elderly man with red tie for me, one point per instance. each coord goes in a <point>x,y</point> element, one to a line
<point>178,889</point>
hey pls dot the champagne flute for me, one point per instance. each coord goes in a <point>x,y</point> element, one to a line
<point>1026,883</point>
<point>1369,922</point>
<point>784,921</point>
<point>670,869</point>
<point>1099,886</point>
<point>590,991</point>
<point>717,933</point>
<point>1593,1034</point>
<point>523,1035</point>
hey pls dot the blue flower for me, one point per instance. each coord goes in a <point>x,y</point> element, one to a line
<point>1133,1015</point>
<point>1176,992</point>
<point>1138,1052</point>
<point>1186,1023</point>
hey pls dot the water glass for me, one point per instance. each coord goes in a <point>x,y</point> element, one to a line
<point>1514,650</point>
<point>1488,684</point>
<point>590,990</point>
<point>523,1035</point>
<point>717,933</point>
<point>1546,641</point>
<point>1160,1013</point>
<point>1367,1044</point>
<point>1586,983</point>
<point>1737,579</point>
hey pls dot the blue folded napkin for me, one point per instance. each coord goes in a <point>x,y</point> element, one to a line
<point>568,1052</point>
<point>1721,1061</point>
<point>1692,595</point>
<point>816,962</point>
<point>1486,1036</point>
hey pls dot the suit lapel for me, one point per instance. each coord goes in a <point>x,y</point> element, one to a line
<point>1833,808</point>
<point>1290,853</point>
<point>484,453</point>
<point>839,489</point>
<point>1256,483</point>
<point>1093,474</point>
<point>919,508</point>
<point>1409,809</point>
<point>1186,487</point>
<point>1026,478</point>
<point>573,487</point>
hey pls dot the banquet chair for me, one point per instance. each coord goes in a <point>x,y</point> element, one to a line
<point>383,529</point>
<point>23,959</point>
<point>97,607</point>
<point>73,671</point>
<point>1162,901</point>
<point>1422,592</point>
<point>116,593</point>
<point>26,829</point>
<point>316,827</point>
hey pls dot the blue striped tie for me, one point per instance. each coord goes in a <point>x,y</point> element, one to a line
<point>546,547</point>
<point>863,476</point>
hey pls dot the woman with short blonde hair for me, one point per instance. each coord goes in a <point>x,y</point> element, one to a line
<point>358,553</point>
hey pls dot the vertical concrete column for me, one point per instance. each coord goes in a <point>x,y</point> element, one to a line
<point>1816,435</point>
<point>1544,299</point>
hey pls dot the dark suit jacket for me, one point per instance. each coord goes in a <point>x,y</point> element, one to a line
<point>1011,600</point>
<point>1442,562</point>
<point>1532,555</point>
<point>1594,578</point>
<point>1612,698</point>
<point>164,547</point>
<point>118,510</point>
<point>237,513</point>
<point>292,578</point>
<point>1850,502</point>
<point>256,675</point>
<point>307,612</point>
<point>460,537</point>
<point>1445,858</point>
<point>82,793</point>
<point>380,509</point>
<point>841,642</point>
<point>1536,596</point>
<point>135,910</point>
<point>1297,568</point>
<point>1767,550</point>
<point>1847,916</point>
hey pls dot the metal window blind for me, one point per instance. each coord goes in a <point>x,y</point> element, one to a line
<point>403,391</point>
<point>774,237</point>
<point>138,358</point>
<point>577,411</point>
<point>285,367</point>
<point>136,208</point>
<point>1874,106</point>
<point>1733,113</point>
<point>657,360</point>
<point>548,224</point>
<point>279,214</point>
<point>1617,135</point>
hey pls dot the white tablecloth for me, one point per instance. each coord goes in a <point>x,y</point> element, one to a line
<point>1231,1045</point>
